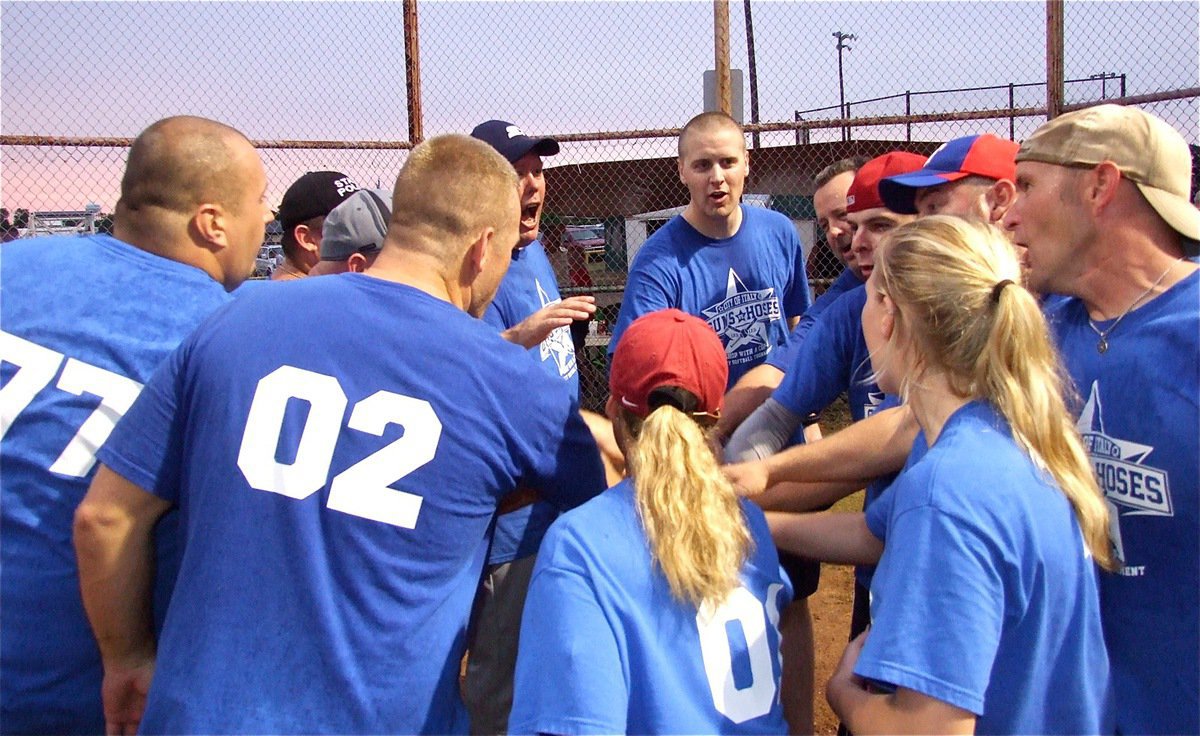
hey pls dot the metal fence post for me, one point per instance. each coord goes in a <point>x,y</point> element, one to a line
<point>412,64</point>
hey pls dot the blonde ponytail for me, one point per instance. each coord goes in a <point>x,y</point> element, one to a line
<point>992,341</point>
<point>694,524</point>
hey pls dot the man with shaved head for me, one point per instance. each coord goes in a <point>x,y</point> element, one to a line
<point>742,270</point>
<point>341,480</point>
<point>85,322</point>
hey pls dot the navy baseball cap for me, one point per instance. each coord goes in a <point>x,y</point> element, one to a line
<point>357,225</point>
<point>511,142</point>
<point>974,155</point>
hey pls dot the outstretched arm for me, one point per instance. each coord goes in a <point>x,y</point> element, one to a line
<point>837,537</point>
<point>750,391</point>
<point>870,448</point>
<point>535,328</point>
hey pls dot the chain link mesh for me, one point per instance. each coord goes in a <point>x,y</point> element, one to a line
<point>323,86</point>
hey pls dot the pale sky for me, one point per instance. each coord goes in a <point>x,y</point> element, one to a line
<point>335,71</point>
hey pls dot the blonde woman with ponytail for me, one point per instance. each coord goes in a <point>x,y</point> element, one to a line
<point>985,612</point>
<point>654,607</point>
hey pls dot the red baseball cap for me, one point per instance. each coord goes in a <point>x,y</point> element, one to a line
<point>864,190</point>
<point>669,348</point>
<point>975,155</point>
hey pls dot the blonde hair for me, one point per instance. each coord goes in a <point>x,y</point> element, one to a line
<point>694,524</point>
<point>991,340</point>
<point>449,189</point>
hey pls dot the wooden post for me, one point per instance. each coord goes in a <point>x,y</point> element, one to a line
<point>721,52</point>
<point>1054,58</point>
<point>412,63</point>
<point>753,64</point>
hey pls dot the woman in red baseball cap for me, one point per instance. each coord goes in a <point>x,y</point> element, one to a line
<point>654,607</point>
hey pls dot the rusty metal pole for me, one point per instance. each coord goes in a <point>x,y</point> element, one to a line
<point>721,51</point>
<point>412,63</point>
<point>1054,58</point>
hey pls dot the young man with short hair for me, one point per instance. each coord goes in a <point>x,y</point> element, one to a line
<point>340,481</point>
<point>742,270</point>
<point>302,214</point>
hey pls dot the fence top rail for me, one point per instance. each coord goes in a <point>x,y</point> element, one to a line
<point>863,122</point>
<point>126,142</point>
<point>915,93</point>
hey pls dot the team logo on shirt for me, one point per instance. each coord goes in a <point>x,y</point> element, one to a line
<point>557,344</point>
<point>743,320</point>
<point>873,402</point>
<point>1131,487</point>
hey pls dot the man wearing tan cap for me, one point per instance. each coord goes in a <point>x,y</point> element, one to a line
<point>1104,213</point>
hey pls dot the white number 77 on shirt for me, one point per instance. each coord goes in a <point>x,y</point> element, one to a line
<point>36,368</point>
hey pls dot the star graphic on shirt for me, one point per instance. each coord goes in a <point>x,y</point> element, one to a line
<point>743,317</point>
<point>557,344</point>
<point>1091,425</point>
<point>1130,486</point>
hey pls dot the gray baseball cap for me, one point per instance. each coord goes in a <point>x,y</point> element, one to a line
<point>357,225</point>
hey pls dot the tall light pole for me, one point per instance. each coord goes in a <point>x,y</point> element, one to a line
<point>842,38</point>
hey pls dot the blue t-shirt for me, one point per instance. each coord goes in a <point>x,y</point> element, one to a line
<point>605,648</point>
<point>337,477</point>
<point>746,287</point>
<point>829,358</point>
<point>986,597</point>
<point>833,358</point>
<point>529,285</point>
<point>783,357</point>
<point>1139,421</point>
<point>85,321</point>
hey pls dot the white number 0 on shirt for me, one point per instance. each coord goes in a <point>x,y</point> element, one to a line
<point>363,488</point>
<point>740,704</point>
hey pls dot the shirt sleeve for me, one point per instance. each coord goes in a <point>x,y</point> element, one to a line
<point>820,368</point>
<point>937,612</point>
<point>146,446</point>
<point>645,292</point>
<point>569,676</point>
<point>798,297</point>
<point>564,461</point>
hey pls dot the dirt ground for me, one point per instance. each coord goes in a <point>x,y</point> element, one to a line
<point>830,607</point>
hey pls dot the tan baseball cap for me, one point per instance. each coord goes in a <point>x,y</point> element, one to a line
<point>1146,149</point>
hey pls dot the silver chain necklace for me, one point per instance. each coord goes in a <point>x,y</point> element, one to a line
<point>1102,344</point>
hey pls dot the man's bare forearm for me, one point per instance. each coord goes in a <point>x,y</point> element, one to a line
<point>875,446</point>
<point>114,542</point>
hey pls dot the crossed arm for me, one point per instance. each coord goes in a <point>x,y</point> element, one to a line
<point>114,541</point>
<point>866,711</point>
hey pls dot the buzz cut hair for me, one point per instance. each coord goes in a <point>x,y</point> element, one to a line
<point>711,120</point>
<point>450,187</point>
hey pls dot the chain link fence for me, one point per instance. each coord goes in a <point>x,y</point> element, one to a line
<point>325,86</point>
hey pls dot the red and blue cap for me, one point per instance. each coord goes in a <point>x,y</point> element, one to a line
<point>975,155</point>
